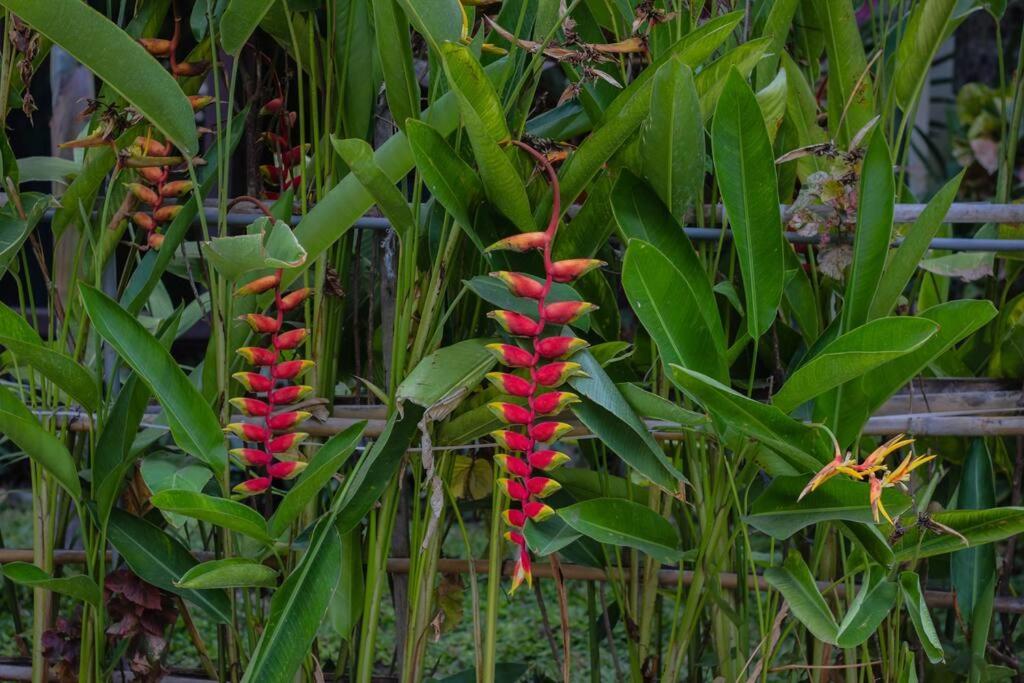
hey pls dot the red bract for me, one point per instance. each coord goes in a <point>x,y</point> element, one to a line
<point>526,432</point>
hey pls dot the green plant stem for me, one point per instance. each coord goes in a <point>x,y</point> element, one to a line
<point>495,554</point>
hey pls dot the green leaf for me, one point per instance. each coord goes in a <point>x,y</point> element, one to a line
<point>672,138</point>
<point>549,536</point>
<point>359,157</point>
<point>79,587</point>
<point>802,113</point>
<point>159,559</point>
<point>163,471</point>
<point>391,30</point>
<point>804,447</point>
<point>240,19</point>
<point>746,176</point>
<point>346,606</point>
<point>231,572</point>
<point>265,245</point>
<point>904,260</point>
<point>971,570</point>
<point>105,50</point>
<point>59,368</point>
<point>713,78</point>
<point>194,426</point>
<point>223,512</point>
<point>18,327</point>
<point>14,229</point>
<point>624,523</point>
<point>439,21</point>
<point>648,404</point>
<point>474,91</point>
<point>328,459</point>
<point>852,355</point>
<point>977,526</point>
<point>355,49</point>
<point>850,100</point>
<point>872,604</point>
<point>794,580</point>
<point>42,447</point>
<point>447,375</point>
<point>673,308</point>
<point>777,512</point>
<point>876,193</point>
<point>924,33</point>
<point>297,609</point>
<point>920,617</point>
<point>772,100</point>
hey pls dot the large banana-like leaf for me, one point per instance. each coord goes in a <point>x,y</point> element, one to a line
<point>926,29</point>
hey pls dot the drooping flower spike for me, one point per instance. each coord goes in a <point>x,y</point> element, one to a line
<point>542,368</point>
<point>273,450</point>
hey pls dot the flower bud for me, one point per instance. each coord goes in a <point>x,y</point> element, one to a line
<point>556,347</point>
<point>262,324</point>
<point>200,101</point>
<point>251,457</point>
<point>513,385</point>
<point>176,188</point>
<point>290,369</point>
<point>510,413</point>
<point>537,511</point>
<point>521,571</point>
<point>144,194</point>
<point>184,69</point>
<point>288,469</point>
<point>151,147</point>
<point>152,174</point>
<point>512,441</point>
<point>515,537</point>
<point>290,339</point>
<point>259,285</point>
<point>247,431</point>
<point>258,356</point>
<point>144,221</point>
<point>513,489</point>
<point>555,374</point>
<point>514,518</point>
<point>522,242</point>
<point>546,432</point>
<point>290,394</point>
<point>270,173</point>
<point>547,460</point>
<point>570,269</point>
<point>274,106</point>
<point>294,155</point>
<point>554,402</point>
<point>254,381</point>
<point>516,323</point>
<point>565,312</point>
<point>293,299</point>
<point>285,442</point>
<point>287,420</point>
<point>512,356</point>
<point>252,407</point>
<point>155,241</point>
<point>274,141</point>
<point>158,47</point>
<point>512,464</point>
<point>520,285</point>
<point>167,213</point>
<point>253,486</point>
<point>542,487</point>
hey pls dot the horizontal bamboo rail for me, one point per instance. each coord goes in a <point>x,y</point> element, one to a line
<point>572,572</point>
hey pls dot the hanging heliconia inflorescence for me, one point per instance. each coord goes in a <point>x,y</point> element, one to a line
<point>281,175</point>
<point>540,367</point>
<point>271,382</point>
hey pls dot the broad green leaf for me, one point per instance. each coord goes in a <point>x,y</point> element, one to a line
<point>850,100</point>
<point>971,570</point>
<point>802,113</point>
<point>439,21</point>
<point>231,572</point>
<point>106,50</point>
<point>79,587</point>
<point>772,100</point>
<point>776,27</point>
<point>160,559</point>
<point>355,49</point>
<point>163,471</point>
<point>920,617</point>
<point>475,92</point>
<point>582,484</point>
<point>59,368</point>
<point>14,229</point>
<point>195,428</point>
<point>746,176</point>
<point>871,605</point>
<point>804,447</point>
<point>647,404</point>
<point>713,78</point>
<point>672,138</point>
<point>391,30</point>
<point>240,19</point>
<point>794,580</point>
<point>42,447</point>
<point>346,606</point>
<point>777,512</point>
<point>800,298</point>
<point>926,29</point>
<point>549,536</point>
<point>265,245</point>
<point>358,155</point>
<point>17,326</point>
<point>876,194</point>
<point>852,355</point>
<point>672,307</point>
<point>903,262</point>
<point>624,523</point>
<point>297,609</point>
<point>223,512</point>
<point>977,526</point>
<point>447,375</point>
<point>328,459</point>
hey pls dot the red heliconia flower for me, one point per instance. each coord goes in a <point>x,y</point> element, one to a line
<point>256,355</point>
<point>253,486</point>
<point>176,188</point>
<point>290,369</point>
<point>167,213</point>
<point>144,221</point>
<point>158,47</point>
<point>155,240</point>
<point>290,339</point>
<point>286,420</point>
<point>254,381</point>
<point>526,430</point>
<point>253,407</point>
<point>144,194</point>
<point>200,101</point>
<point>293,299</point>
<point>290,394</point>
<point>262,324</point>
<point>152,174</point>
<point>260,284</point>
<point>248,431</point>
<point>286,442</point>
<point>252,457</point>
<point>286,469</point>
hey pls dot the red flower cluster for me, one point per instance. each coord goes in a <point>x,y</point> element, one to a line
<point>542,369</point>
<point>272,381</point>
<point>281,175</point>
